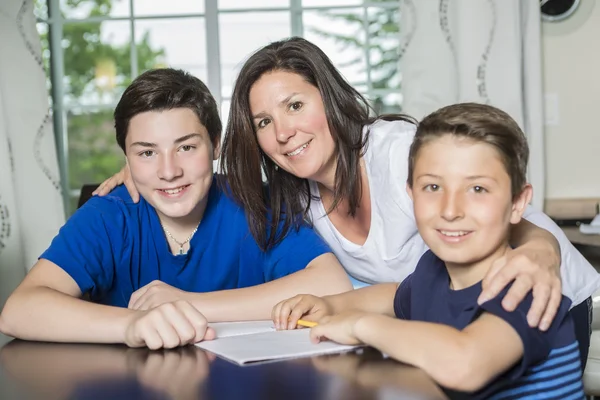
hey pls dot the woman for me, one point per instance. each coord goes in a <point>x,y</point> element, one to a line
<point>296,120</point>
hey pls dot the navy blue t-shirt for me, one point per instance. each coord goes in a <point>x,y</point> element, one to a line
<point>550,367</point>
<point>111,247</point>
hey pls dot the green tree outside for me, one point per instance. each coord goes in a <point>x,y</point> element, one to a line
<point>383,33</point>
<point>95,72</point>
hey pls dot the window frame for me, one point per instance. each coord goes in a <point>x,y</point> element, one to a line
<point>55,23</point>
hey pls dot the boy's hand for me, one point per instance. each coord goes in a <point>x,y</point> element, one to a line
<point>121,177</point>
<point>167,326</point>
<point>340,328</point>
<point>286,313</point>
<point>154,294</point>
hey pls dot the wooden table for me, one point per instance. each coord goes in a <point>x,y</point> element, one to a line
<point>31,370</point>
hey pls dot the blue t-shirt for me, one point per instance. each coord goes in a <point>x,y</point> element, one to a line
<point>550,367</point>
<point>111,247</point>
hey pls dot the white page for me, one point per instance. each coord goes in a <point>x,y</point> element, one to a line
<point>274,345</point>
<point>226,329</point>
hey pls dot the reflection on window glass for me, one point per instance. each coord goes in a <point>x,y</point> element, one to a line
<point>233,4</point>
<point>340,34</point>
<point>327,3</point>
<point>42,29</point>
<point>97,62</point>
<point>40,9</point>
<point>93,151</point>
<point>242,34</point>
<point>384,48</point>
<point>170,7</point>
<point>177,43</point>
<point>81,9</point>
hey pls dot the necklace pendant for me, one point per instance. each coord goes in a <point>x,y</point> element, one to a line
<point>181,250</point>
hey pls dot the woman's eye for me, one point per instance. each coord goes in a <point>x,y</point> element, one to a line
<point>479,189</point>
<point>295,106</point>
<point>263,122</point>
<point>431,188</point>
<point>187,147</point>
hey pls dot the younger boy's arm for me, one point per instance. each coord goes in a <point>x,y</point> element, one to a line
<point>376,299</point>
<point>47,307</point>
<point>461,360</point>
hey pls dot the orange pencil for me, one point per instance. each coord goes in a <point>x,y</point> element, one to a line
<point>308,324</point>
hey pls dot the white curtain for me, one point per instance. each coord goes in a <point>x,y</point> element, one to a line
<point>487,51</point>
<point>31,209</point>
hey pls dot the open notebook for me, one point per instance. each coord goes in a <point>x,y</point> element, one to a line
<point>258,341</point>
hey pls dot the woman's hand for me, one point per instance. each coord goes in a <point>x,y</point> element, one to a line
<point>286,313</point>
<point>121,177</point>
<point>533,266</point>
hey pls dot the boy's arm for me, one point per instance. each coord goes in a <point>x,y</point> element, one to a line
<point>46,306</point>
<point>461,360</point>
<point>377,299</point>
<point>324,275</point>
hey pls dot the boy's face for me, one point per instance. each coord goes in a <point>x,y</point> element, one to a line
<point>462,200</point>
<point>171,160</point>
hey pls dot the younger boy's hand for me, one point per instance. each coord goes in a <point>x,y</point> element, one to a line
<point>286,313</point>
<point>339,328</point>
<point>167,326</point>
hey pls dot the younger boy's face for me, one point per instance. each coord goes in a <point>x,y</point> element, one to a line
<point>171,160</point>
<point>462,200</point>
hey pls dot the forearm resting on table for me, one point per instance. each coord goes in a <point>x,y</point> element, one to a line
<point>451,357</point>
<point>376,299</point>
<point>254,303</point>
<point>44,314</point>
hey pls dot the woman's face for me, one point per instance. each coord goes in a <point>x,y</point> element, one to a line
<point>291,126</point>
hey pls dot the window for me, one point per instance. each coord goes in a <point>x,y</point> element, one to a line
<point>94,48</point>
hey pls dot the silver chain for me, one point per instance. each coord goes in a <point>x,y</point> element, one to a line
<point>181,244</point>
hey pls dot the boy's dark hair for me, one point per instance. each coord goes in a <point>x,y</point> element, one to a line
<point>166,89</point>
<point>479,123</point>
<point>242,159</point>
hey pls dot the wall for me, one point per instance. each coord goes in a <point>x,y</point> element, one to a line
<point>571,60</point>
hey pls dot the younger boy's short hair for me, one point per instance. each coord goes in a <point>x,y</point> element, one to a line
<point>167,89</point>
<point>479,123</point>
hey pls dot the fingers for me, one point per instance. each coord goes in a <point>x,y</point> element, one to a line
<point>170,325</point>
<point>105,187</point>
<point>317,334</point>
<point>541,298</point>
<point>517,292</point>
<point>281,312</point>
<point>490,286</point>
<point>553,305</point>
<point>198,322</point>
<point>140,296</point>
<point>133,192</point>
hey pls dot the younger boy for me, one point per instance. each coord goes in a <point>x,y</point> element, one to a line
<point>467,178</point>
<point>156,271</point>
